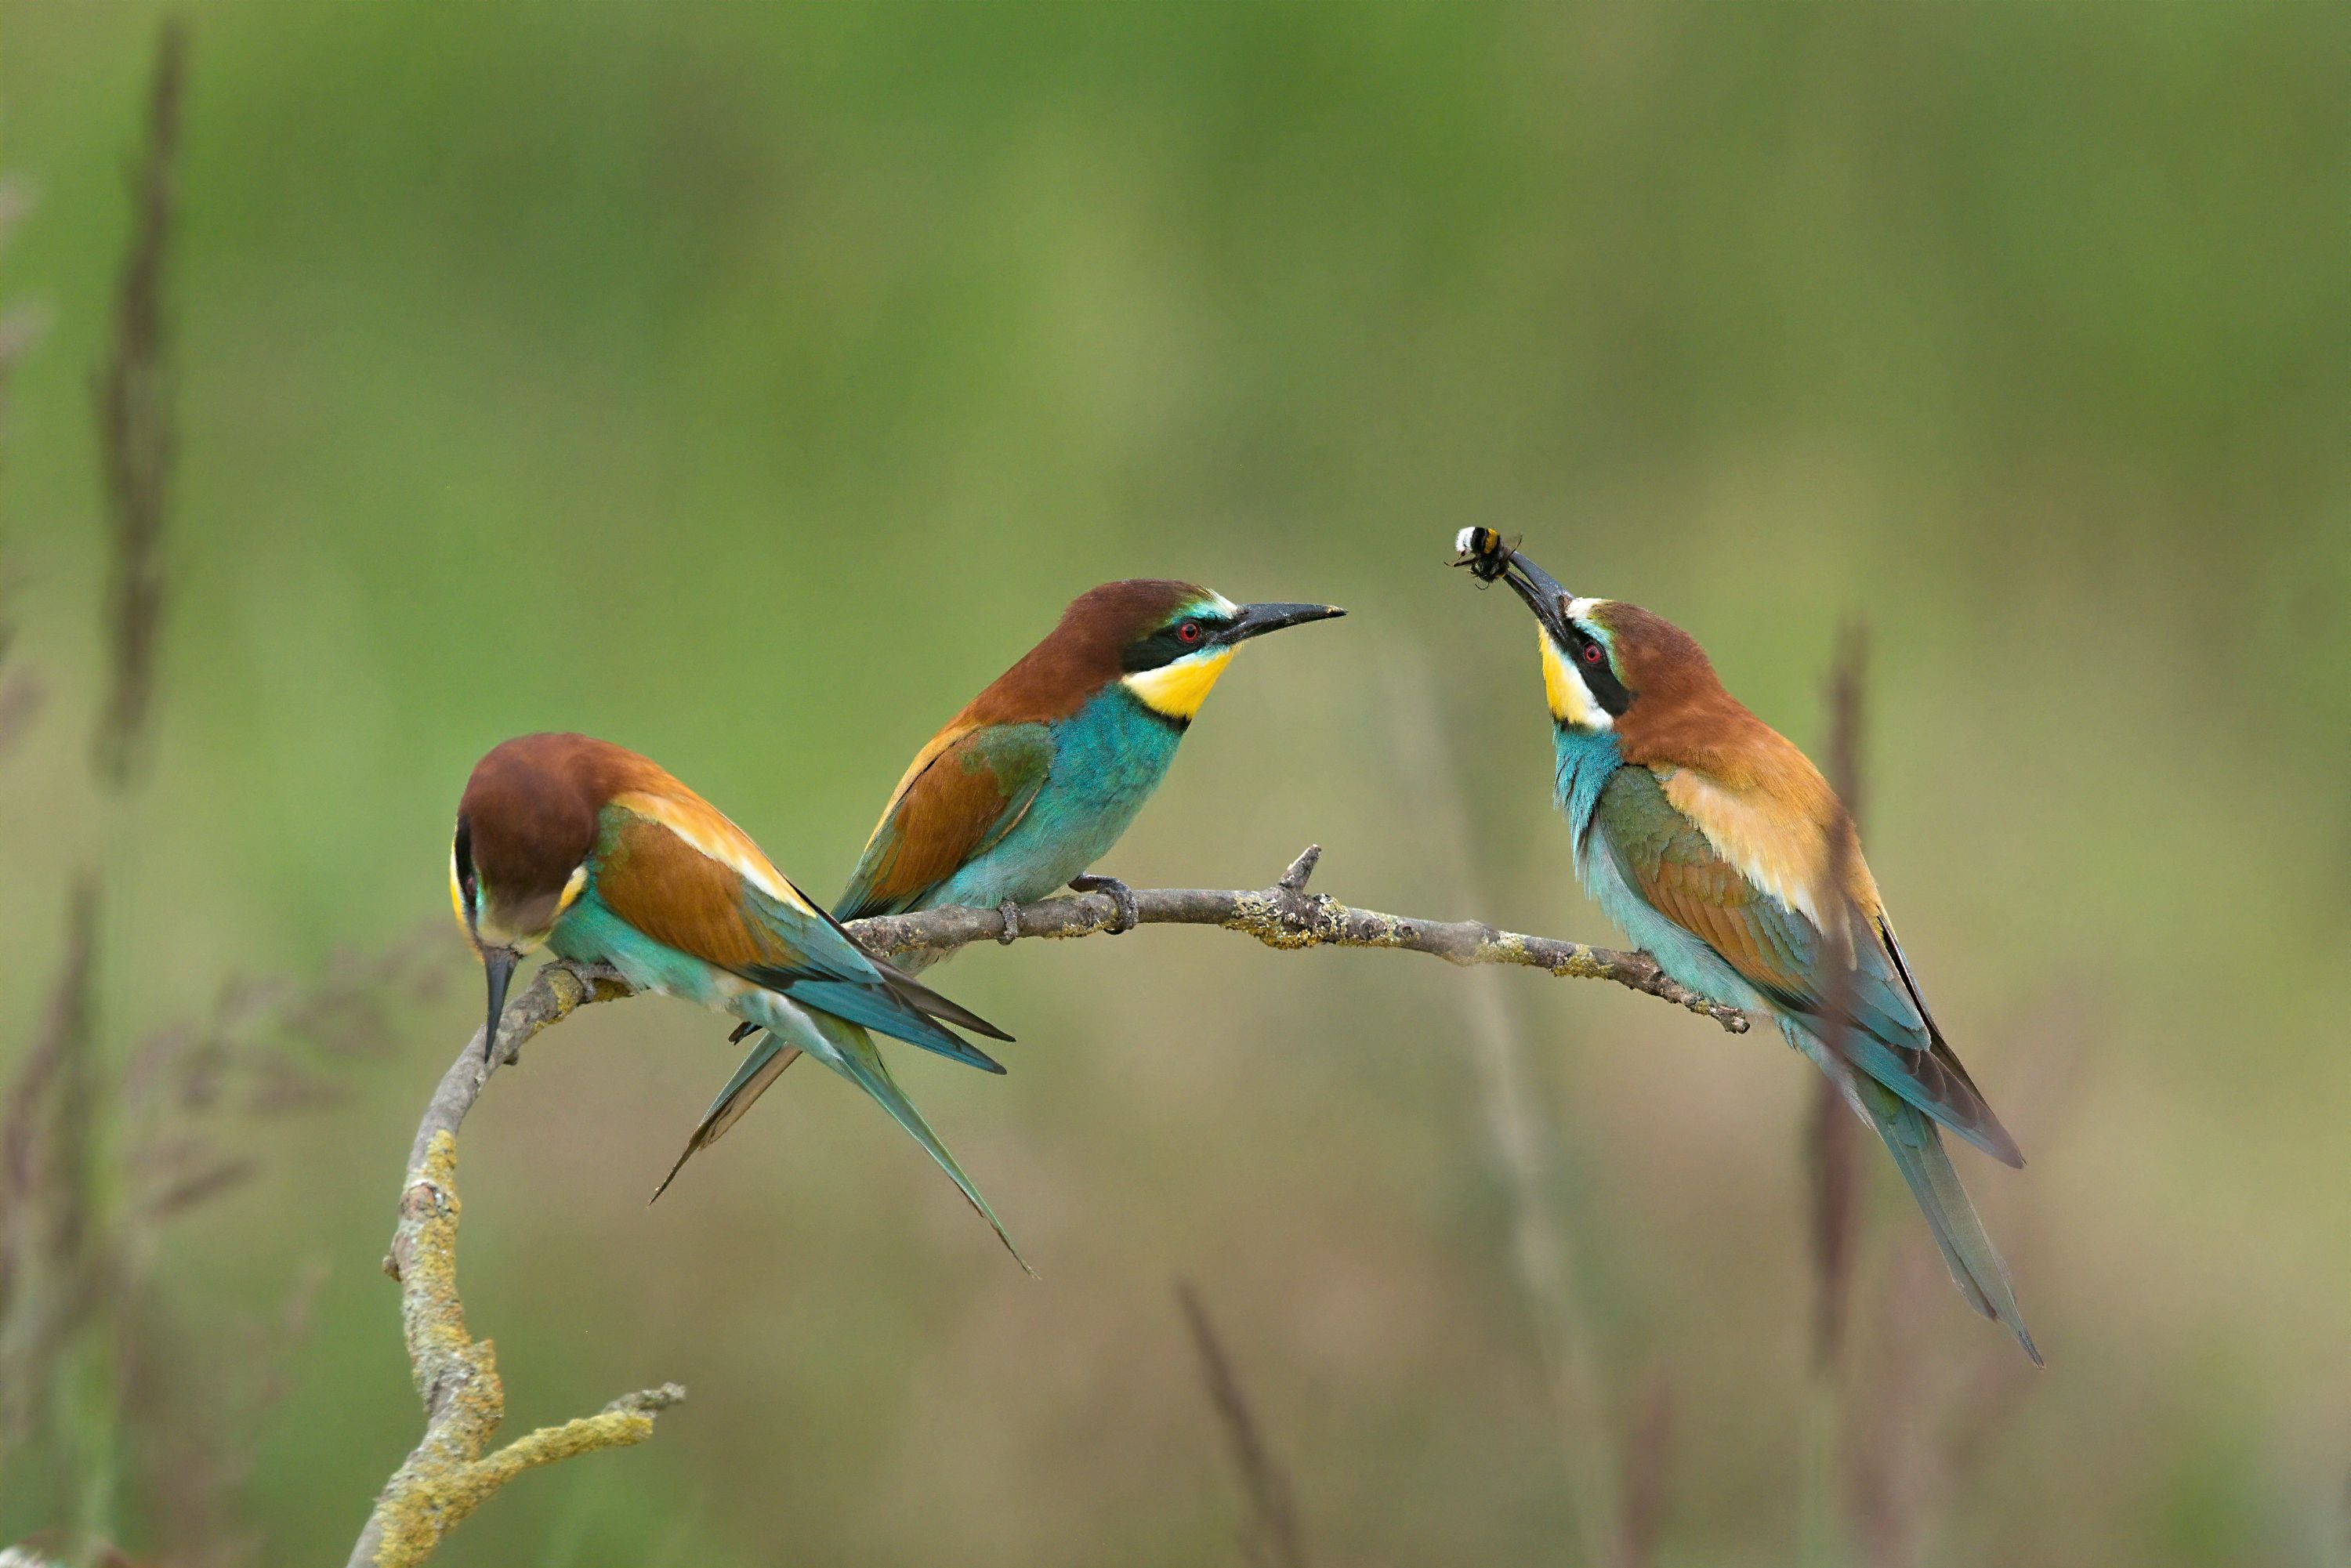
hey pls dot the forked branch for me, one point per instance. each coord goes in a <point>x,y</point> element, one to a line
<point>448,1475</point>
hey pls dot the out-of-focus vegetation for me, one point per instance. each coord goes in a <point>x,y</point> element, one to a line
<point>749,384</point>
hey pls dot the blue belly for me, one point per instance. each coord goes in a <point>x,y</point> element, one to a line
<point>1108,758</point>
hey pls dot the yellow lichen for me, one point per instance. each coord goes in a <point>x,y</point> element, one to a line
<point>446,1477</point>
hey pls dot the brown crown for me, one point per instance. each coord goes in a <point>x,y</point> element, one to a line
<point>530,807</point>
<point>1081,655</point>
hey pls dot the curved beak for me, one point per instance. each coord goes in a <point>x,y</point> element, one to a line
<point>498,964</point>
<point>1257,620</point>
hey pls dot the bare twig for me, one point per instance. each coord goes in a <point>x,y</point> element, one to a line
<point>1287,917</point>
<point>1273,1536</point>
<point>136,436</point>
<point>447,1476</point>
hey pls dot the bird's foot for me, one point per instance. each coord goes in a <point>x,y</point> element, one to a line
<point>1121,895</point>
<point>1010,910</point>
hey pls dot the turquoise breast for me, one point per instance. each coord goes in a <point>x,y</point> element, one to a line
<point>1108,758</point>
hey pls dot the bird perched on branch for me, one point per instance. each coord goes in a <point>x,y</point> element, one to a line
<point>1036,778</point>
<point>1039,775</point>
<point>600,855</point>
<point>1720,850</point>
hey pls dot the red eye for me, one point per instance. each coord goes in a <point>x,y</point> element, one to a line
<point>1187,631</point>
<point>1591,654</point>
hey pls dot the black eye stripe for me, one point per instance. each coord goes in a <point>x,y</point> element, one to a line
<point>1600,677</point>
<point>1168,644</point>
<point>463,850</point>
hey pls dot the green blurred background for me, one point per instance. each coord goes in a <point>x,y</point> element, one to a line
<point>750,384</point>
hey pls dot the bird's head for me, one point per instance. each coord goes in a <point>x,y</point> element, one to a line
<point>1606,663</point>
<point>1166,643</point>
<point>520,855</point>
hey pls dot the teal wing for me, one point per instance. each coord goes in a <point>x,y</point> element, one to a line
<point>857,1060</point>
<point>966,791</point>
<point>850,1051</point>
<point>1974,1264</point>
<point>1669,860</point>
<point>764,1064</point>
<point>823,966</point>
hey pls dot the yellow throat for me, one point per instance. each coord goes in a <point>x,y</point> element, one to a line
<point>1571,700</point>
<point>1177,690</point>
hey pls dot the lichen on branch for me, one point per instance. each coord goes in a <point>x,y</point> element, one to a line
<point>448,1475</point>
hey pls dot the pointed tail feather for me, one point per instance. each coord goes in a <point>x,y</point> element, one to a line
<point>1916,1146</point>
<point>861,1061</point>
<point>762,1067</point>
<point>1935,1083</point>
<point>878,1007</point>
<point>932,1005</point>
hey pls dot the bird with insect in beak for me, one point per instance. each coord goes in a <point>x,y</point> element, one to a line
<point>1721,851</point>
<point>1029,786</point>
<point>599,855</point>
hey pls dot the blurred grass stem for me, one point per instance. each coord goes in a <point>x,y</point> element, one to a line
<point>1516,1131</point>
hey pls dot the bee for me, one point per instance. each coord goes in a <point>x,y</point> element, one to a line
<point>1483,552</point>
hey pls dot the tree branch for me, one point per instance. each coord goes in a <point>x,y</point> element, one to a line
<point>447,1476</point>
<point>1287,917</point>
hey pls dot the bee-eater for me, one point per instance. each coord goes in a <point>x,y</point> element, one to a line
<point>1713,842</point>
<point>1039,775</point>
<point>599,855</point>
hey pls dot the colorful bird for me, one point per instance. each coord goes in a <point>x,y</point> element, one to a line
<point>600,855</point>
<point>1721,851</point>
<point>1039,775</point>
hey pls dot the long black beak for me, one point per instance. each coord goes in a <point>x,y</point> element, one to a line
<point>1487,557</point>
<point>1541,593</point>
<point>1257,620</point>
<point>498,964</point>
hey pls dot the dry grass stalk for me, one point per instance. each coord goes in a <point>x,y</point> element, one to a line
<point>1648,1467</point>
<point>94,1166</point>
<point>20,325</point>
<point>1833,1139</point>
<point>1520,1134</point>
<point>1922,1417</point>
<point>1272,1537</point>
<point>20,701</point>
<point>136,439</point>
<point>48,1269</point>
